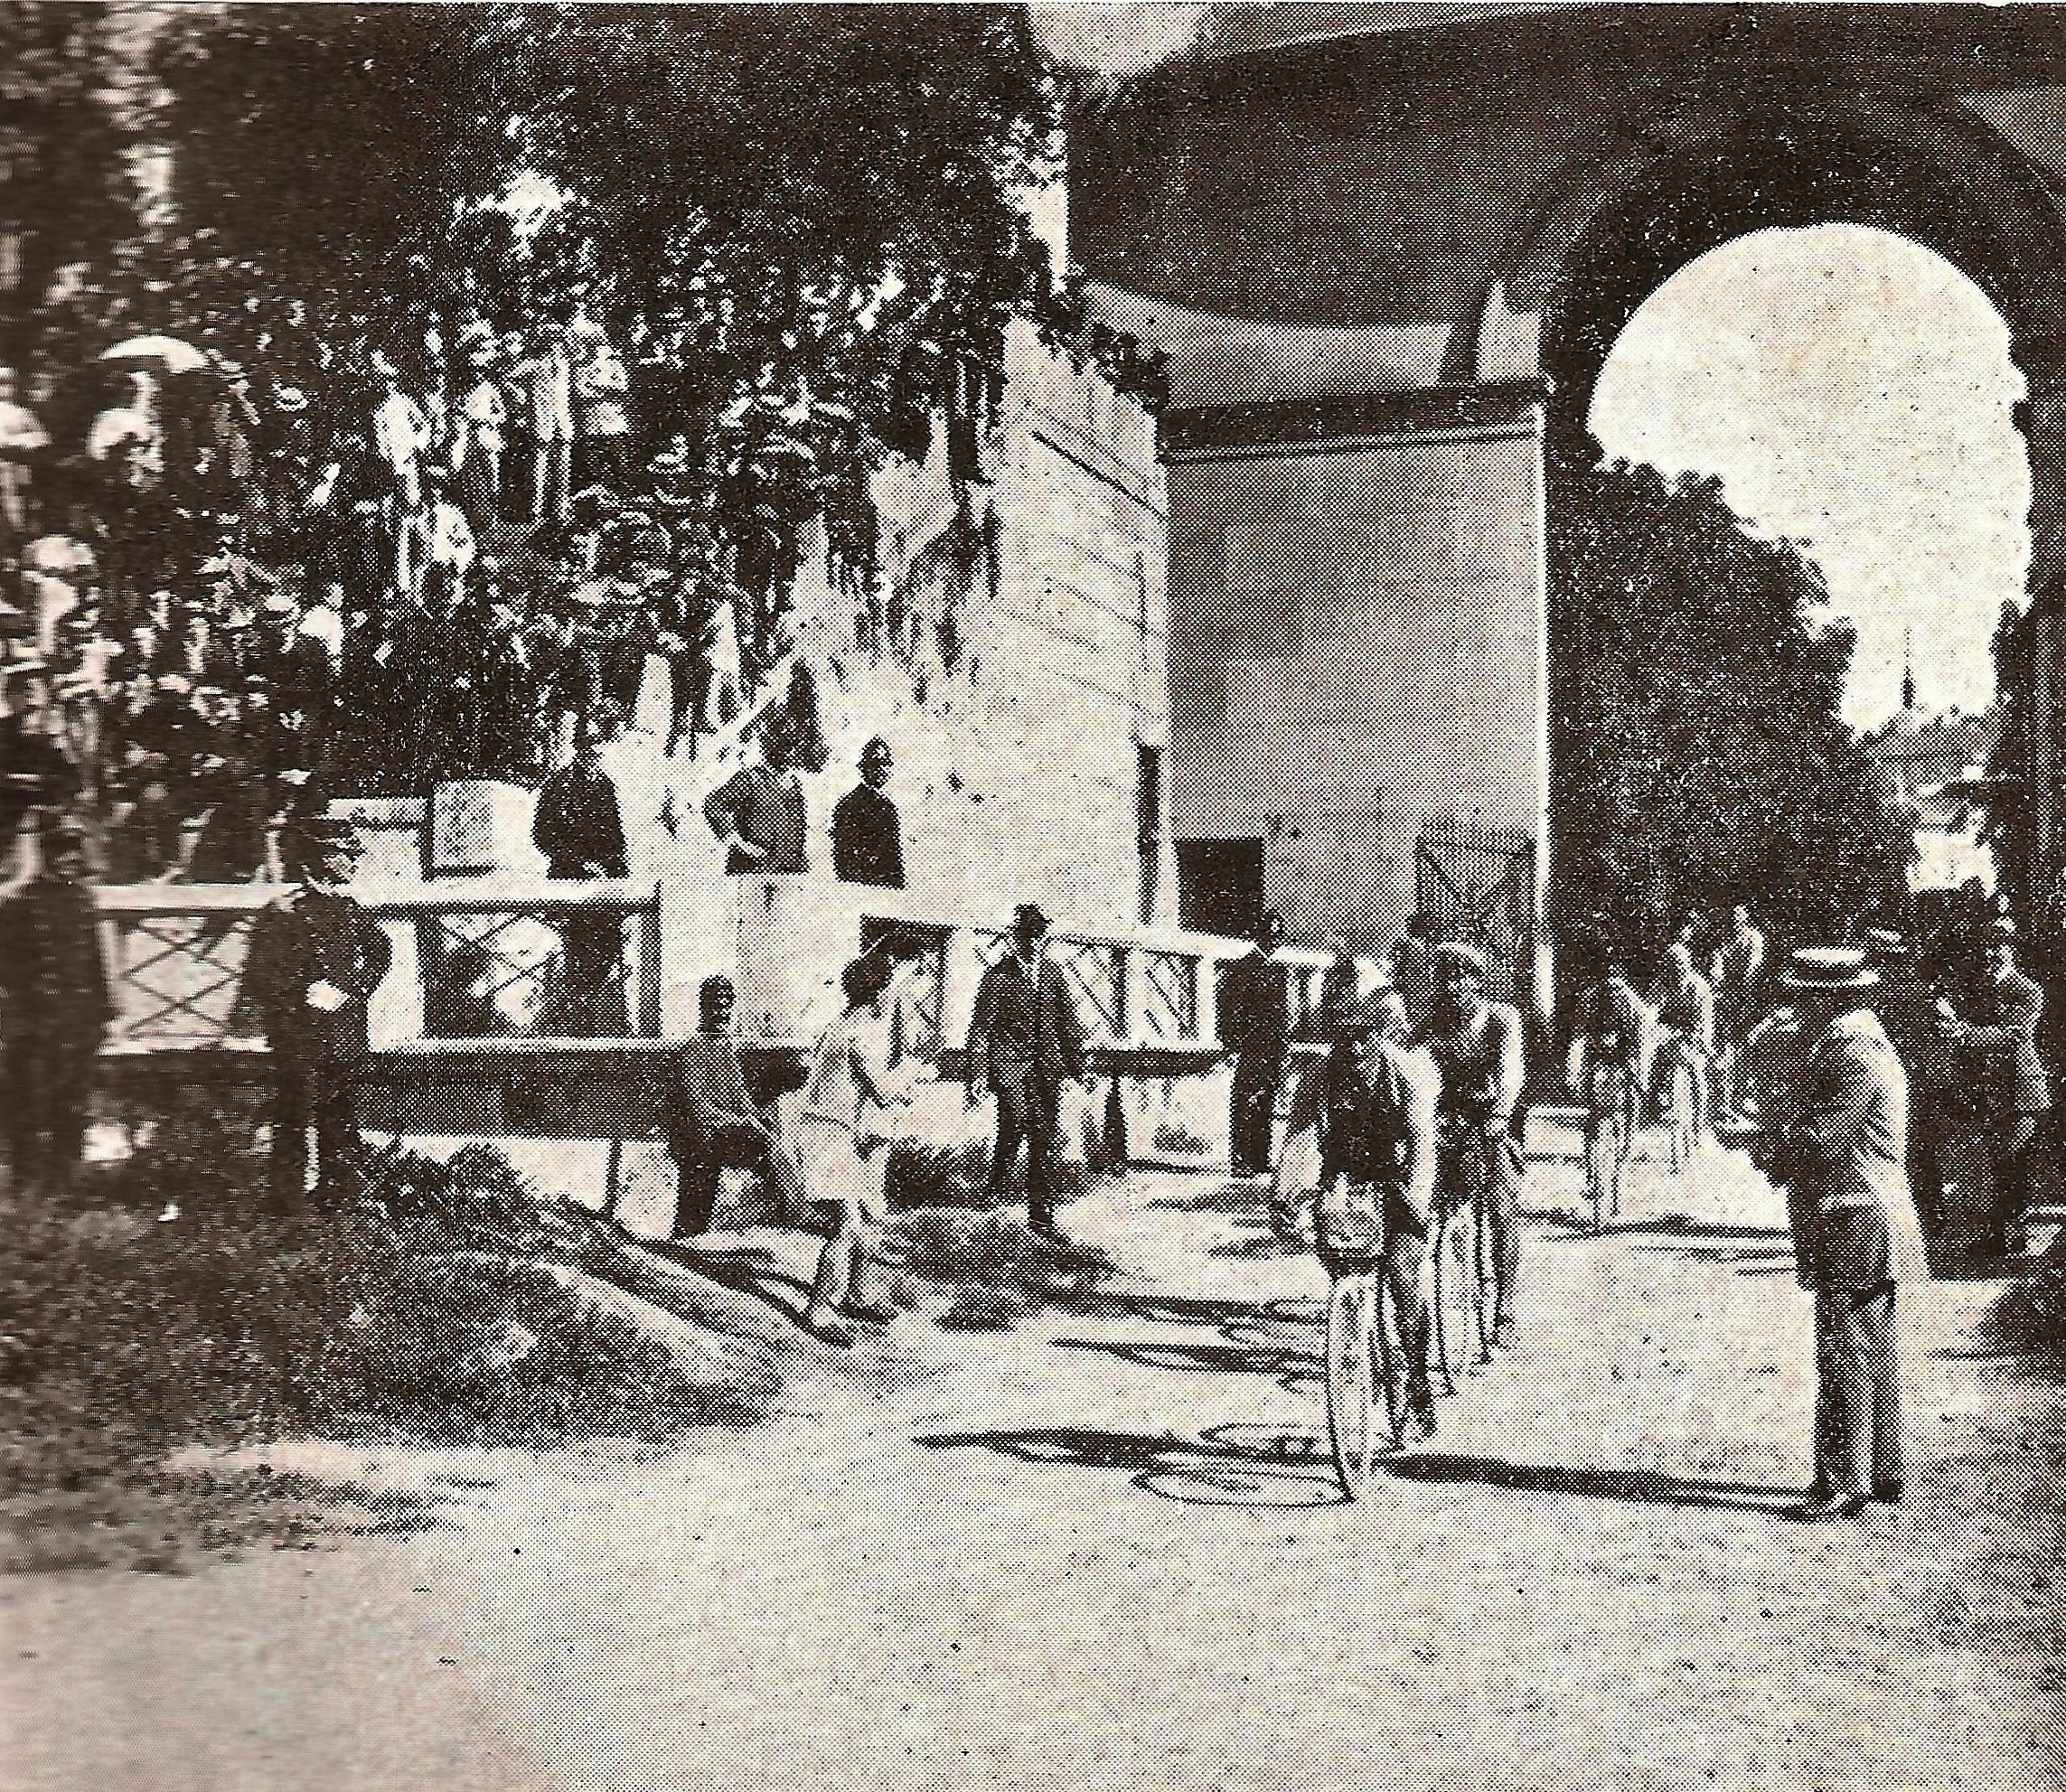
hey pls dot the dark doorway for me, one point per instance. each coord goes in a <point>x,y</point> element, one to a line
<point>1219,886</point>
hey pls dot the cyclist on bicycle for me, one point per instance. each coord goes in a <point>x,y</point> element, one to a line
<point>1610,1030</point>
<point>1367,1116</point>
<point>1686,1020</point>
<point>1477,1045</point>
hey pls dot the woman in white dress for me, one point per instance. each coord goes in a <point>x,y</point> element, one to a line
<point>845,1129</point>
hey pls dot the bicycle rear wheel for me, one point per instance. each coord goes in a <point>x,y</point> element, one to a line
<point>1352,1319</point>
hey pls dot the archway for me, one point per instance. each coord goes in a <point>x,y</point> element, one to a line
<point>1679,188</point>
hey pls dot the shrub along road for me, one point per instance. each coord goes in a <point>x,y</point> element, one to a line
<point>1099,1550</point>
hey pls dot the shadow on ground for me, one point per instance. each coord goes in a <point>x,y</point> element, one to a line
<point>1240,1465</point>
<point>1641,1485</point>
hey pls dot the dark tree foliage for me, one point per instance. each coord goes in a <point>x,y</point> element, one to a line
<point>66,198</point>
<point>1699,755</point>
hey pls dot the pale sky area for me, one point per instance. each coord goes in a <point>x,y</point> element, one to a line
<point>1853,390</point>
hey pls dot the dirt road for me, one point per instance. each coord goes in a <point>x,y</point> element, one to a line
<point>1092,1553</point>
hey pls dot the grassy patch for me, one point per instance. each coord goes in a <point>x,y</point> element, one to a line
<point>163,1309</point>
<point>995,1269</point>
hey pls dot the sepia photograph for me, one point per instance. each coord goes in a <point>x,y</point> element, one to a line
<point>983,897</point>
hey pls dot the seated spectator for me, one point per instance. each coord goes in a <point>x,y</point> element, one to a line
<point>713,1123</point>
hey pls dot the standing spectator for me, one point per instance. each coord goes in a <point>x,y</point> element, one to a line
<point>1413,966</point>
<point>713,1123</point>
<point>579,828</point>
<point>1738,974</point>
<point>1908,1009</point>
<point>314,959</point>
<point>845,1131</point>
<point>53,983</point>
<point>2002,1017</point>
<point>867,832</point>
<point>1854,1227</point>
<point>759,812</point>
<point>35,773</point>
<point>1255,1026</point>
<point>1685,1021</point>
<point>23,440</point>
<point>603,445</point>
<point>1340,989</point>
<point>1024,1042</point>
<point>1476,1044</point>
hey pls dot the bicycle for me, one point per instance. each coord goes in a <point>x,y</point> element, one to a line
<point>1361,1345</point>
<point>1611,1108</point>
<point>1462,1250</point>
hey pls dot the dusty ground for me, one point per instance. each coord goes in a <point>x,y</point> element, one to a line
<point>1096,1552</point>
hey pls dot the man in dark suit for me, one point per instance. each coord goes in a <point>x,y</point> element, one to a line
<point>1024,1042</point>
<point>2001,1020</point>
<point>579,828</point>
<point>314,959</point>
<point>56,1005</point>
<point>1255,1026</point>
<point>867,833</point>
<point>1844,1163</point>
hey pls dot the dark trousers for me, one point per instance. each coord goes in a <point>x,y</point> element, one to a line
<point>47,1089</point>
<point>1028,1110</point>
<point>2009,1140</point>
<point>1499,1207</point>
<point>324,1094</point>
<point>701,1156</point>
<point>1252,1110</point>
<point>1857,1390</point>
<point>1403,1267</point>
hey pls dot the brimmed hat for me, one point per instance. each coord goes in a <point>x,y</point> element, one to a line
<point>1829,968</point>
<point>320,834</point>
<point>1029,917</point>
<point>1455,952</point>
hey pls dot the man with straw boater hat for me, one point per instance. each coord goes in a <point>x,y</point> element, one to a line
<point>1842,1159</point>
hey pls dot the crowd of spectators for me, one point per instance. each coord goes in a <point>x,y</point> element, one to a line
<point>224,597</point>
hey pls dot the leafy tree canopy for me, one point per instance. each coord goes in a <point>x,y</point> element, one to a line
<point>1699,755</point>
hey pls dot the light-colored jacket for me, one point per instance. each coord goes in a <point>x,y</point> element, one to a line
<point>1849,1151</point>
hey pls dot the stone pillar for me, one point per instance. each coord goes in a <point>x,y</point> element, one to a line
<point>2042,418</point>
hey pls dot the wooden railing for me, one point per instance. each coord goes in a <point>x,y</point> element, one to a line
<point>472,959</point>
<point>478,961</point>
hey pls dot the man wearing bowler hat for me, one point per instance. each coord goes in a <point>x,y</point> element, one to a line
<point>314,959</point>
<point>1843,1162</point>
<point>1024,1042</point>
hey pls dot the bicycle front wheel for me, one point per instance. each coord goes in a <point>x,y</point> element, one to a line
<point>1352,1318</point>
